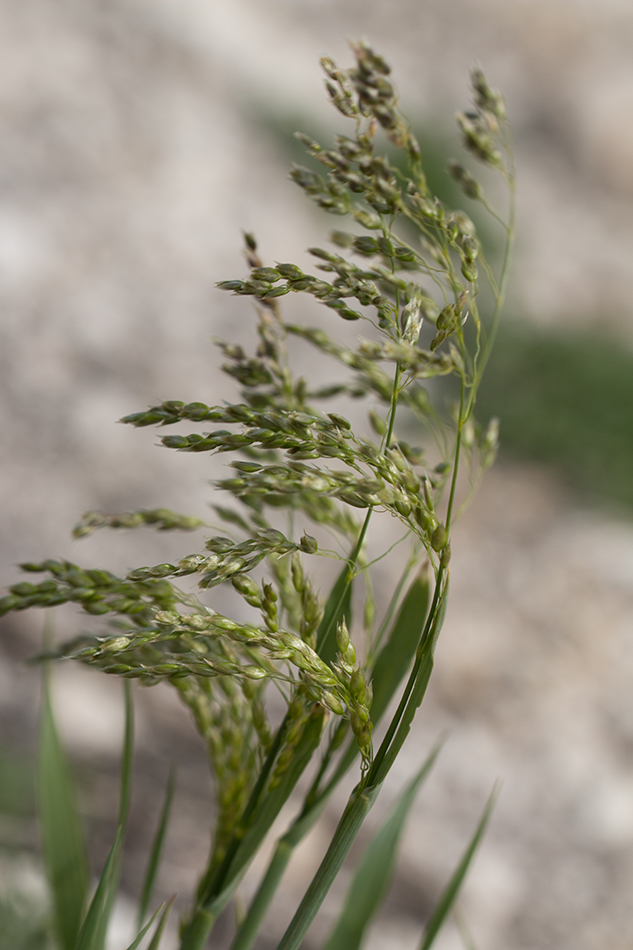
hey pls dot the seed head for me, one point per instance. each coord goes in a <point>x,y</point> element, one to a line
<point>470,187</point>
<point>489,100</point>
<point>308,544</point>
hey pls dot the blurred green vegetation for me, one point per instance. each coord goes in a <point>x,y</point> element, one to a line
<point>22,909</point>
<point>22,926</point>
<point>565,398</point>
<point>17,787</point>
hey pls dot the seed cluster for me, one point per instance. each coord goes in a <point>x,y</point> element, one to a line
<point>161,518</point>
<point>95,591</point>
<point>225,716</point>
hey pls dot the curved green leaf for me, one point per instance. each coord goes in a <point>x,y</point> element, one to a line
<point>415,689</point>
<point>403,641</point>
<point>157,849</point>
<point>358,806</point>
<point>61,829</point>
<point>96,922</point>
<point>337,608</point>
<point>139,937</point>
<point>125,798</point>
<point>449,895</point>
<point>397,653</point>
<point>158,933</point>
<point>375,870</point>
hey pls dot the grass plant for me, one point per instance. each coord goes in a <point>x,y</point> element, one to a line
<point>408,271</point>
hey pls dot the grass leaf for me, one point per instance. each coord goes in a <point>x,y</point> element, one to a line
<point>62,833</point>
<point>125,796</point>
<point>449,895</point>
<point>358,806</point>
<point>338,606</point>
<point>415,689</point>
<point>393,660</point>
<point>95,925</point>
<point>158,934</point>
<point>139,937</point>
<point>274,800</point>
<point>375,870</point>
<point>157,849</point>
<point>128,754</point>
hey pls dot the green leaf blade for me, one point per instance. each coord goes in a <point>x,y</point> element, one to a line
<point>157,850</point>
<point>125,799</point>
<point>141,934</point>
<point>95,925</point>
<point>158,933</point>
<point>396,655</point>
<point>274,800</point>
<point>451,891</point>
<point>375,870</point>
<point>416,687</point>
<point>63,842</point>
<point>337,608</point>
<point>355,813</point>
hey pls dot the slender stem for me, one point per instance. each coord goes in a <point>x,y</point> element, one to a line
<point>458,447</point>
<point>351,562</point>
<point>391,609</point>
<point>395,722</point>
<point>247,933</point>
<point>503,285</point>
<point>357,808</point>
<point>493,214</point>
<point>313,791</point>
<point>393,407</point>
<point>391,547</point>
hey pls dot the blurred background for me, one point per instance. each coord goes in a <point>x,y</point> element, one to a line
<point>137,139</point>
